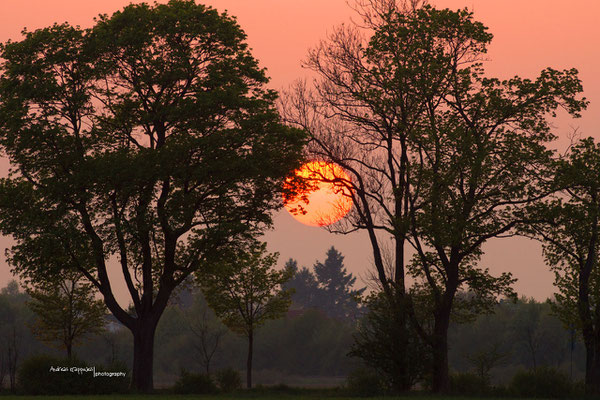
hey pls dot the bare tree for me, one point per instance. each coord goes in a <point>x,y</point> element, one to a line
<point>208,338</point>
<point>13,349</point>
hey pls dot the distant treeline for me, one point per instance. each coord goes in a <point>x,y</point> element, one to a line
<point>310,345</point>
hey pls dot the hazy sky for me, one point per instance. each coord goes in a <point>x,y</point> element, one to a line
<point>528,36</point>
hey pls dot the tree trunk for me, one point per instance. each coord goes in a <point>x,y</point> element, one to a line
<point>143,356</point>
<point>441,380</point>
<point>592,366</point>
<point>591,334</point>
<point>69,347</point>
<point>249,361</point>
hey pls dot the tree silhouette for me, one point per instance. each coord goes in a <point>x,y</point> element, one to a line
<point>304,284</point>
<point>568,225</point>
<point>150,137</point>
<point>67,311</point>
<point>336,296</point>
<point>440,156</point>
<point>245,292</point>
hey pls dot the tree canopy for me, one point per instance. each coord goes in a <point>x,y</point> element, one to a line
<point>150,137</point>
<point>568,223</point>
<point>441,157</point>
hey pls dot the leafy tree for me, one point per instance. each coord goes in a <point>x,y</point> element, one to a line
<point>568,226</point>
<point>484,360</point>
<point>67,311</point>
<point>336,297</point>
<point>150,137</point>
<point>440,156</point>
<point>245,292</point>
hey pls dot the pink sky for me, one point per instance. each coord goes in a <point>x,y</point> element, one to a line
<point>528,36</point>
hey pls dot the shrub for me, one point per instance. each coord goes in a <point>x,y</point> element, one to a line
<point>365,382</point>
<point>36,377</point>
<point>194,384</point>
<point>468,383</point>
<point>228,379</point>
<point>385,341</point>
<point>541,382</point>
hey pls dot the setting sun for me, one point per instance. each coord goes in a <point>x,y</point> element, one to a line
<point>328,201</point>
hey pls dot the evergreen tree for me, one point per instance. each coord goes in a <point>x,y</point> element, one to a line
<point>337,296</point>
<point>305,285</point>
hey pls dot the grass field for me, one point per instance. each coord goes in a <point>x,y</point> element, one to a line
<point>252,396</point>
<point>242,396</point>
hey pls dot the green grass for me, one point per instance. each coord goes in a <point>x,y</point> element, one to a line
<point>254,396</point>
<point>232,397</point>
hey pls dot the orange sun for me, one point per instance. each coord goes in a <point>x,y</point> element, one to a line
<point>328,199</point>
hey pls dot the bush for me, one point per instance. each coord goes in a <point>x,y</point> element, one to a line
<point>365,382</point>
<point>194,384</point>
<point>541,382</point>
<point>468,383</point>
<point>386,341</point>
<point>228,379</point>
<point>47,375</point>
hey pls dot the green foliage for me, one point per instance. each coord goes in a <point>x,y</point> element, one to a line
<point>150,137</point>
<point>189,383</point>
<point>365,382</point>
<point>244,290</point>
<point>67,311</point>
<point>441,156</point>
<point>568,224</point>
<point>228,380</point>
<point>544,382</point>
<point>36,378</point>
<point>387,343</point>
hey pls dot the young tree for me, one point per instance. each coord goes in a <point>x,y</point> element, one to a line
<point>206,329</point>
<point>485,360</point>
<point>14,318</point>
<point>150,137</point>
<point>67,311</point>
<point>568,226</point>
<point>245,292</point>
<point>337,296</point>
<point>439,155</point>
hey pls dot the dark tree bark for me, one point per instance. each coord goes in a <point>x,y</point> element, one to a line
<point>249,360</point>
<point>590,331</point>
<point>143,356</point>
<point>439,339</point>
